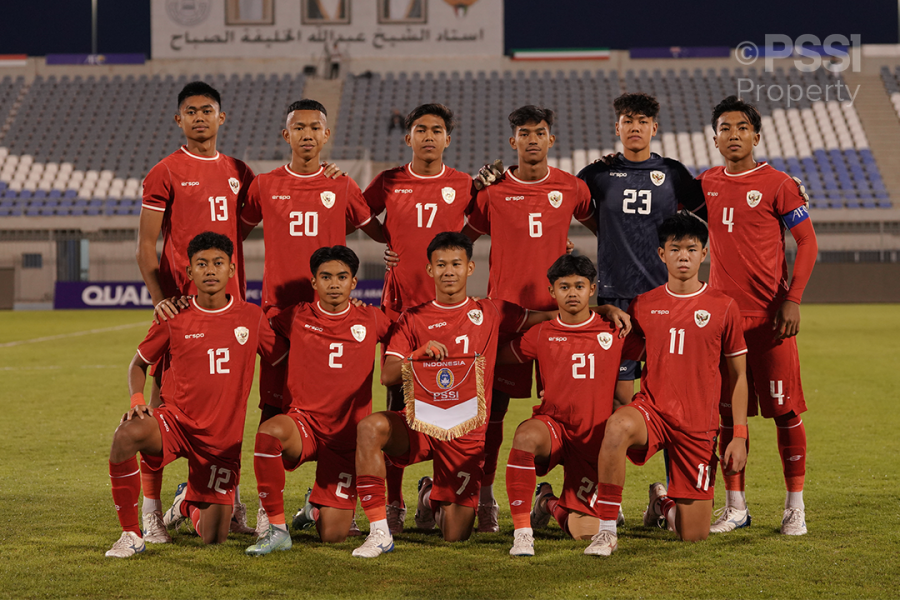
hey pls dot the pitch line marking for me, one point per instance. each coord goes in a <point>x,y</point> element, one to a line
<point>61,336</point>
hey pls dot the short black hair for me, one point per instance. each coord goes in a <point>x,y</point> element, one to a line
<point>531,114</point>
<point>681,225</point>
<point>572,264</point>
<point>307,104</point>
<point>735,104</point>
<point>636,104</point>
<point>199,88</point>
<point>210,240</point>
<point>450,240</point>
<point>438,110</point>
<point>329,253</point>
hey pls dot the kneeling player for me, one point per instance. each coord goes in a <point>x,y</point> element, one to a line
<point>202,416</point>
<point>578,354</point>
<point>683,329</point>
<point>329,382</point>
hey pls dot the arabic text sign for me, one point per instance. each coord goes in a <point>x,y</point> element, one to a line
<point>306,28</point>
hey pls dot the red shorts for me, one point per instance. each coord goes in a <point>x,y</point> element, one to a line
<point>335,484</point>
<point>773,373</point>
<point>579,467</point>
<point>458,464</point>
<point>692,456</point>
<point>271,385</point>
<point>213,473</point>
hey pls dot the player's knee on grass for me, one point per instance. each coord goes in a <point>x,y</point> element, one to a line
<point>582,526</point>
<point>532,436</point>
<point>456,522</point>
<point>692,519</point>
<point>333,524</point>
<point>215,521</point>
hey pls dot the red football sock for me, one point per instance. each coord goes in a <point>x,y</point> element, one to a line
<point>609,499</point>
<point>733,483</point>
<point>792,447</point>
<point>559,513</point>
<point>493,439</point>
<point>394,481</point>
<point>151,476</point>
<point>666,505</point>
<point>125,481</point>
<point>520,482</point>
<point>269,476</point>
<point>193,513</point>
<point>371,495</point>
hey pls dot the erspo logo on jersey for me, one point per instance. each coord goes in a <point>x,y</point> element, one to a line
<point>659,311</point>
<point>403,191</point>
<point>189,183</point>
<point>436,325</point>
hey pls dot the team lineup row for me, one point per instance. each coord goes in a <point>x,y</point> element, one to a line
<point>431,331</point>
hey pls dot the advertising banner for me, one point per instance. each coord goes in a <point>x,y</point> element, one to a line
<point>331,28</point>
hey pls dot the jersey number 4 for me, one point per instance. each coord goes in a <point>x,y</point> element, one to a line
<point>633,197</point>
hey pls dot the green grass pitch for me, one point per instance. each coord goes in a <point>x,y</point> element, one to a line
<point>62,396</point>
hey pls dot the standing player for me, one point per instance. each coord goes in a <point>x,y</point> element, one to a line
<point>418,199</point>
<point>632,194</point>
<point>303,210</point>
<point>332,359</point>
<point>213,346</point>
<point>192,190</point>
<point>527,213</point>
<point>684,329</point>
<point>750,205</point>
<point>578,354</point>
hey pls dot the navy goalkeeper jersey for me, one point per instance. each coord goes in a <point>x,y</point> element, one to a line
<point>630,201</point>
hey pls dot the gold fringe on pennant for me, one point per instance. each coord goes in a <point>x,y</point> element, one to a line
<point>439,433</point>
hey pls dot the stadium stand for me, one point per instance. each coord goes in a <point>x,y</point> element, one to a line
<point>71,147</point>
<point>81,146</point>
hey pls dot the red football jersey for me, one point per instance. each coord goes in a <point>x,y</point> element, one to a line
<point>301,214</point>
<point>330,366</point>
<point>579,366</point>
<point>532,221</point>
<point>197,194</point>
<point>747,234</point>
<point>213,354</point>
<point>683,339</point>
<point>417,208</point>
<point>470,327</point>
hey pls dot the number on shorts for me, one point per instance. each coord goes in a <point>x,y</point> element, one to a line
<point>218,477</point>
<point>465,477</point>
<point>703,477</point>
<point>346,480</point>
<point>584,492</point>
<point>776,390</point>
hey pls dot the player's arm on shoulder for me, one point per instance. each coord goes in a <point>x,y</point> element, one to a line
<point>374,230</point>
<point>688,189</point>
<point>536,317</point>
<point>332,171</point>
<point>735,457</point>
<point>272,347</point>
<point>148,262</point>
<point>251,210</point>
<point>616,316</point>
<point>488,174</point>
<point>478,222</point>
<point>584,210</point>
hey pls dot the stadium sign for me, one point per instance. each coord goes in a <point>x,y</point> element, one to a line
<point>134,294</point>
<point>330,28</point>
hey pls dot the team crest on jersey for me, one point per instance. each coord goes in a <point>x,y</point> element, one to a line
<point>234,184</point>
<point>448,194</point>
<point>605,339</point>
<point>327,199</point>
<point>701,318</point>
<point>657,177</point>
<point>555,198</point>
<point>359,332</point>
<point>753,198</point>
<point>476,316</point>
<point>444,379</point>
<point>242,334</point>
